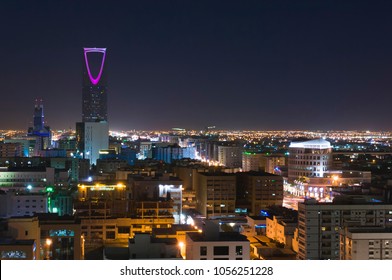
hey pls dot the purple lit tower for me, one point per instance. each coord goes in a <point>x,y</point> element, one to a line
<point>94,107</point>
<point>92,134</point>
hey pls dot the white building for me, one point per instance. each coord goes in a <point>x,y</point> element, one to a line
<point>214,245</point>
<point>92,137</point>
<point>309,159</point>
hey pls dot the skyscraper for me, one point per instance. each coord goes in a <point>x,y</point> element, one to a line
<point>94,106</point>
<point>41,132</point>
<point>93,131</point>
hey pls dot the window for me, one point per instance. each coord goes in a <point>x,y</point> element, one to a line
<point>123,230</point>
<point>26,232</point>
<point>238,250</point>
<point>110,235</point>
<point>203,251</point>
<point>221,250</point>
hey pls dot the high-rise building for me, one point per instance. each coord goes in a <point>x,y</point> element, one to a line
<point>39,130</point>
<point>94,102</point>
<point>93,131</point>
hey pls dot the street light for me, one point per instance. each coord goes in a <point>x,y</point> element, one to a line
<point>48,244</point>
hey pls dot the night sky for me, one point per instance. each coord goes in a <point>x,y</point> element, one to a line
<point>233,64</point>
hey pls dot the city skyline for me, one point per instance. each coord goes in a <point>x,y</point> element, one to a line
<point>256,65</point>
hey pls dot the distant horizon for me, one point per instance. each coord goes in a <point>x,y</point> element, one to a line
<point>235,64</point>
<point>220,130</point>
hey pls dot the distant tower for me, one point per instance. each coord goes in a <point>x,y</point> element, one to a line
<point>38,124</point>
<point>39,130</point>
<point>94,106</point>
<point>92,133</point>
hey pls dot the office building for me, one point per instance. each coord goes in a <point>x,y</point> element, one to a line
<point>91,138</point>
<point>93,132</point>
<point>39,130</point>
<point>251,161</point>
<point>258,190</point>
<point>230,155</point>
<point>94,100</point>
<point>215,194</point>
<point>309,159</point>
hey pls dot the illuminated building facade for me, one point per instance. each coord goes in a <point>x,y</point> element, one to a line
<point>26,179</point>
<point>102,200</point>
<point>93,132</point>
<point>157,196</point>
<point>39,130</point>
<point>94,106</point>
<point>91,138</point>
<point>54,237</point>
<point>309,159</point>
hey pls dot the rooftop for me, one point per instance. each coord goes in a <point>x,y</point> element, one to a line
<point>312,144</point>
<point>223,237</point>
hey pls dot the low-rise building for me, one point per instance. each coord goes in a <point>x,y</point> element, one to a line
<point>211,244</point>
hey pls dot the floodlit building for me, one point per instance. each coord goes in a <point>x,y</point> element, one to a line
<point>92,134</point>
<point>281,230</point>
<point>309,159</point>
<point>101,199</point>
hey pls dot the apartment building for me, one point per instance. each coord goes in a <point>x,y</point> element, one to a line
<point>319,224</point>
